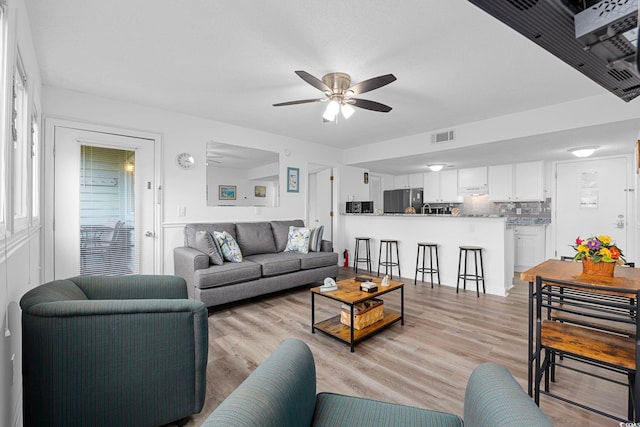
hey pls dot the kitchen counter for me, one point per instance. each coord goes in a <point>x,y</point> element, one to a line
<point>450,232</point>
<point>510,220</point>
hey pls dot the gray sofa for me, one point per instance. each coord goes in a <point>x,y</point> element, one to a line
<point>282,392</point>
<point>265,267</point>
<point>112,351</point>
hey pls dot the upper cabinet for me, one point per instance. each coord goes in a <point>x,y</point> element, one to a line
<point>416,180</point>
<point>408,181</point>
<point>472,180</point>
<point>441,187</point>
<point>520,182</point>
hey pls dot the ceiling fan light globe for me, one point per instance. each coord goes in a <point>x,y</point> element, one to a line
<point>347,111</point>
<point>333,108</point>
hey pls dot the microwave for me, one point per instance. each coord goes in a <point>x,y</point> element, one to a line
<point>360,207</point>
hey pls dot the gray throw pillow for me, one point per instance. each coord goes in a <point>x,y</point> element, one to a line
<point>206,243</point>
<point>315,240</point>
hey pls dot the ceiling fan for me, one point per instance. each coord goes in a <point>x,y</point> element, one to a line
<point>338,91</point>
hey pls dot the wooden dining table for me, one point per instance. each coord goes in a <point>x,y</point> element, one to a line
<point>623,278</point>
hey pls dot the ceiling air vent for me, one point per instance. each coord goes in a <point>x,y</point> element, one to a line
<point>437,138</point>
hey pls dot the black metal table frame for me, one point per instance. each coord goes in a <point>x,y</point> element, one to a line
<point>352,340</point>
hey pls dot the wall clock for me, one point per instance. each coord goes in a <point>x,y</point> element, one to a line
<point>185,160</point>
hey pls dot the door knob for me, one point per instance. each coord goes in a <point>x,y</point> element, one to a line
<point>149,234</point>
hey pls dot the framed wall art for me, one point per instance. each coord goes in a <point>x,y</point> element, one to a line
<point>293,180</point>
<point>260,191</point>
<point>226,192</point>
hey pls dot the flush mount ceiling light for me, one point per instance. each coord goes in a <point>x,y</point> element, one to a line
<point>583,151</point>
<point>435,168</point>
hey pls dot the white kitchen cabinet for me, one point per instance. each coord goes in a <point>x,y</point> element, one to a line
<point>529,246</point>
<point>529,181</point>
<point>416,180</point>
<point>401,181</point>
<point>472,180</point>
<point>520,182</point>
<point>441,187</point>
<point>413,180</point>
<point>501,183</point>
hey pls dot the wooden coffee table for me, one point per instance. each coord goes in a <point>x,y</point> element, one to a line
<point>349,293</point>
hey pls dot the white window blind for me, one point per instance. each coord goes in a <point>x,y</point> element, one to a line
<point>107,211</point>
<point>20,145</point>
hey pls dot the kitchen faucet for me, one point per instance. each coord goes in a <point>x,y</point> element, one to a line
<point>424,206</point>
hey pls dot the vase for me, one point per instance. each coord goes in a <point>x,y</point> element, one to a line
<point>599,268</point>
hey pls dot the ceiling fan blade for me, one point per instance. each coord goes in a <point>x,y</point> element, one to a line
<point>302,101</point>
<point>313,81</point>
<point>372,84</point>
<point>369,105</point>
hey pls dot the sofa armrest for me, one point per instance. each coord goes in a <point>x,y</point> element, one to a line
<point>326,246</point>
<point>134,286</point>
<point>494,398</point>
<point>185,263</point>
<point>280,392</point>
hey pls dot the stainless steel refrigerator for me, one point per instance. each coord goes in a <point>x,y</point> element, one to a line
<point>396,201</point>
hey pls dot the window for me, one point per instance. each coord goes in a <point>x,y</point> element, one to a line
<point>3,102</point>
<point>20,146</point>
<point>107,211</point>
<point>35,168</point>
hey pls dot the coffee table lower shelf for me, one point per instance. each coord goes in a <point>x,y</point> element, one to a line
<point>333,327</point>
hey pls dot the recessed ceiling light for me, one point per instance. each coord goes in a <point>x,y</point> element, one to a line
<point>435,168</point>
<point>583,151</point>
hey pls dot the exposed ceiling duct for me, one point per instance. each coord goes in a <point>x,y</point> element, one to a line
<point>597,38</point>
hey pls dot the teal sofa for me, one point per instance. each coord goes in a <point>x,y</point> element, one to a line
<point>282,392</point>
<point>112,351</point>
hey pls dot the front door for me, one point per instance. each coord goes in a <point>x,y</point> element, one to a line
<point>592,199</point>
<point>103,204</point>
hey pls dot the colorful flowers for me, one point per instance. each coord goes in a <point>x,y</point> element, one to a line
<point>599,248</point>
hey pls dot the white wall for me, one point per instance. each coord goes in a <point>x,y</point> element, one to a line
<point>20,242</point>
<point>183,133</point>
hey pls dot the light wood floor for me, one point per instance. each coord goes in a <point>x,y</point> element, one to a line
<point>425,363</point>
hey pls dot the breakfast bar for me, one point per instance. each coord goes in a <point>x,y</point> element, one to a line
<point>449,232</point>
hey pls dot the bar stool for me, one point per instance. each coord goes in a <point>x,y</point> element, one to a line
<point>388,262</point>
<point>367,256</point>
<point>477,254</point>
<point>431,269</point>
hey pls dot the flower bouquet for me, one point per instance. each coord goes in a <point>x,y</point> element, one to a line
<point>599,255</point>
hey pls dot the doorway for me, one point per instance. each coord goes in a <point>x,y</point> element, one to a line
<point>592,197</point>
<point>320,202</point>
<point>104,203</point>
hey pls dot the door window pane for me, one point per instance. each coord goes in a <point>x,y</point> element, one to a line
<point>107,211</point>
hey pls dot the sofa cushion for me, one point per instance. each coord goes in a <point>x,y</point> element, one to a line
<point>276,264</point>
<point>298,240</point>
<point>317,259</point>
<point>205,242</point>
<point>230,250</point>
<point>226,274</point>
<point>255,238</point>
<point>280,231</point>
<point>315,240</point>
<point>340,410</point>
<point>190,230</point>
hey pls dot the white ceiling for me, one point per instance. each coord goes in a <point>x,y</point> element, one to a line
<point>230,60</point>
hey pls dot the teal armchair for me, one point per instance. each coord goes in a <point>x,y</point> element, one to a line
<point>113,351</point>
